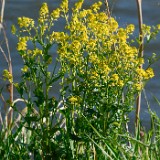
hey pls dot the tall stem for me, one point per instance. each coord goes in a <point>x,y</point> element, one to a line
<point>141,46</point>
<point>107,8</point>
<point>9,62</point>
<point>2,13</point>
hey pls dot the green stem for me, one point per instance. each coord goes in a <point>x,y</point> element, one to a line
<point>47,80</point>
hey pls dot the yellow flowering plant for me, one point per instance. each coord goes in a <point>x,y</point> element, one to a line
<point>97,67</point>
<point>102,63</point>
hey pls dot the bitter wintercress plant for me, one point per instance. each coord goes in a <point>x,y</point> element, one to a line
<point>98,69</point>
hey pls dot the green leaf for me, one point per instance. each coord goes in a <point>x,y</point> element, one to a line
<point>54,79</point>
<point>99,135</point>
<point>32,119</point>
<point>103,151</point>
<point>156,100</point>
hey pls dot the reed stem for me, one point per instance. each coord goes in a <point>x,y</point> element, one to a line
<point>107,8</point>
<point>141,46</point>
<point>8,60</point>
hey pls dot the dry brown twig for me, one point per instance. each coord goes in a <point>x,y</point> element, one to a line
<point>2,14</point>
<point>8,59</point>
<point>141,46</point>
<point>107,8</point>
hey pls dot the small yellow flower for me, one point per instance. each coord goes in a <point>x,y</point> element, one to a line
<point>25,22</point>
<point>106,69</point>
<point>102,17</point>
<point>22,44</point>
<point>146,30</point>
<point>115,77</point>
<point>112,24</point>
<point>94,75</point>
<point>158,26</point>
<point>78,5</point>
<point>55,14</point>
<point>43,14</point>
<point>91,18</point>
<point>141,60</point>
<point>91,45</point>
<point>115,80</point>
<point>149,73</point>
<point>122,34</point>
<point>44,10</point>
<point>7,75</point>
<point>37,52</point>
<point>13,29</point>
<point>73,99</point>
<point>141,73</point>
<point>58,37</point>
<point>120,83</point>
<point>138,86</point>
<point>24,69</point>
<point>64,6</point>
<point>82,14</point>
<point>75,46</point>
<point>96,6</point>
<point>130,28</point>
<point>93,58</point>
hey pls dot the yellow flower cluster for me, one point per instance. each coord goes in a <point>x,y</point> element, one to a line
<point>110,57</point>
<point>113,24</point>
<point>145,74</point>
<point>93,47</point>
<point>64,6</point>
<point>92,34</point>
<point>74,99</point>
<point>122,35</point>
<point>13,29</point>
<point>115,77</point>
<point>24,69</point>
<point>22,44</point>
<point>130,28</point>
<point>116,81</point>
<point>138,86</point>
<point>146,30</point>
<point>75,46</point>
<point>32,54</point>
<point>55,14</point>
<point>96,6</point>
<point>149,73</point>
<point>43,13</point>
<point>78,6</point>
<point>37,52</point>
<point>25,22</point>
<point>7,75</point>
<point>44,10</point>
<point>58,37</point>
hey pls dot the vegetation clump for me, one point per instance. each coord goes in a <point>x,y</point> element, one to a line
<point>97,66</point>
